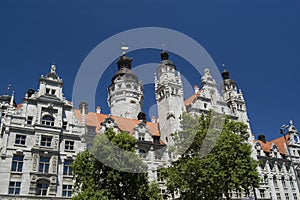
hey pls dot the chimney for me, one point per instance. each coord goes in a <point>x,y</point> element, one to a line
<point>98,109</point>
<point>196,88</point>
<point>84,110</point>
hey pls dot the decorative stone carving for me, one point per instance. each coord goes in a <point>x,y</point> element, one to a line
<point>35,160</point>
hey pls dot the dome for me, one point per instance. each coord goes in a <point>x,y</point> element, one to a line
<point>124,62</point>
<point>124,71</point>
<point>225,74</point>
<point>164,55</point>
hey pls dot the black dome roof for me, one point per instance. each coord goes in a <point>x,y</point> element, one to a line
<point>164,55</point>
<point>124,62</point>
<point>124,71</point>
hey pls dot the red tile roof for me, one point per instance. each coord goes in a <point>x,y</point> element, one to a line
<point>192,98</point>
<point>279,142</point>
<point>124,124</point>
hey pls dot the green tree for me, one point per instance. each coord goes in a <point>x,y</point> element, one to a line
<point>200,173</point>
<point>95,180</point>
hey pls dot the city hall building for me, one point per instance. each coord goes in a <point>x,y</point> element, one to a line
<point>41,135</point>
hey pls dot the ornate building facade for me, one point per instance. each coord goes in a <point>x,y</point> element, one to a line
<point>39,139</point>
<point>43,134</point>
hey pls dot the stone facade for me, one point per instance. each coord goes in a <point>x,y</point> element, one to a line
<point>40,137</point>
<point>39,140</point>
<point>169,98</point>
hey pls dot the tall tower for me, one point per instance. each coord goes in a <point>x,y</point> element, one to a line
<point>169,97</point>
<point>234,99</point>
<point>125,94</point>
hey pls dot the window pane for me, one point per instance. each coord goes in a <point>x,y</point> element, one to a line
<point>17,163</point>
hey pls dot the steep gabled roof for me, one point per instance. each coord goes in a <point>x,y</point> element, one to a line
<point>279,142</point>
<point>192,98</point>
<point>124,124</point>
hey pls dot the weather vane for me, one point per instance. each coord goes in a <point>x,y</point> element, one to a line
<point>8,89</point>
<point>124,48</point>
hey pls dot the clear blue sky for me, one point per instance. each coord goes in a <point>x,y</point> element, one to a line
<point>259,41</point>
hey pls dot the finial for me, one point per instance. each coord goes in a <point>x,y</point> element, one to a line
<point>291,122</point>
<point>124,48</point>
<point>206,71</point>
<point>8,88</point>
<point>53,68</point>
<point>12,98</point>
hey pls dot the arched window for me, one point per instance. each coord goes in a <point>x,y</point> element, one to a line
<point>48,120</point>
<point>275,181</point>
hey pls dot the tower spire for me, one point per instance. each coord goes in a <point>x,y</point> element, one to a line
<point>124,48</point>
<point>125,82</point>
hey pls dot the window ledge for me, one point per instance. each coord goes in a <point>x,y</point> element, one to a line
<point>16,173</point>
<point>71,151</point>
<point>67,176</point>
<point>20,145</point>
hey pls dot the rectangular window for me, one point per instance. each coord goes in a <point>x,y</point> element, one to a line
<point>20,139</point>
<point>69,145</point>
<point>42,189</point>
<point>44,165</point>
<point>292,183</point>
<point>17,163</point>
<point>275,183</point>
<point>295,196</point>
<point>286,196</point>
<point>14,187</point>
<point>53,92</point>
<point>64,126</point>
<point>278,196</point>
<point>141,137</point>
<point>47,90</point>
<point>159,177</point>
<point>67,191</point>
<point>29,120</point>
<point>262,193</point>
<point>67,168</point>
<point>46,141</point>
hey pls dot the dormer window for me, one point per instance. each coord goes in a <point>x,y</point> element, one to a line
<point>156,139</point>
<point>50,91</point>
<point>53,92</point>
<point>48,120</point>
<point>141,136</point>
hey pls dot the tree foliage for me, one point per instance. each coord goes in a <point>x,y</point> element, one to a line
<point>202,174</point>
<point>95,180</point>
